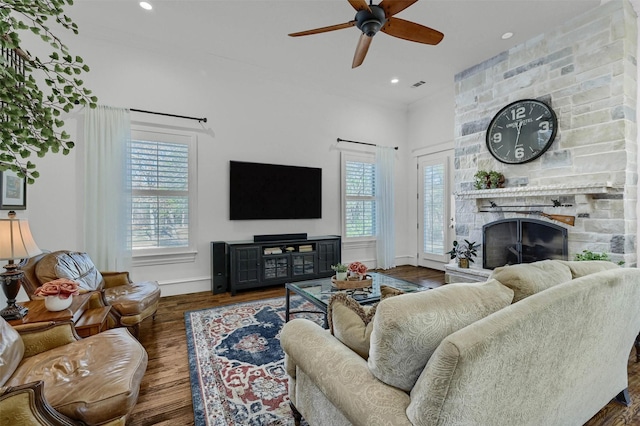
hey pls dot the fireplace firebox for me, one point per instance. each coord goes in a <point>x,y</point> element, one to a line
<point>522,240</point>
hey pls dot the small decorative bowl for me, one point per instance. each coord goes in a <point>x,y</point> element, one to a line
<point>55,304</point>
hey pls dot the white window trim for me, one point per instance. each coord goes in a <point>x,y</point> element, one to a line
<point>364,157</point>
<point>161,256</point>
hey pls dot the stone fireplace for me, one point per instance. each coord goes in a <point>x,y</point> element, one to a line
<point>590,172</point>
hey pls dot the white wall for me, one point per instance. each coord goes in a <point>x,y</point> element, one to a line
<point>250,118</point>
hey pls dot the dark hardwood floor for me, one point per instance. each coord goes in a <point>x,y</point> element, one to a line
<point>165,393</point>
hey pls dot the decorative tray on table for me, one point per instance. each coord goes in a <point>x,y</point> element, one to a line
<point>354,282</point>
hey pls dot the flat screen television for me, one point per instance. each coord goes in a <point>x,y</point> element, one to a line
<point>271,191</point>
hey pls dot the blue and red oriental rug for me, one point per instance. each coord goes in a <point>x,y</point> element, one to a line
<point>237,365</point>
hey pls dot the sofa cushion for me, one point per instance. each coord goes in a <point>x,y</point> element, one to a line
<point>94,380</point>
<point>351,323</point>
<point>133,298</point>
<point>587,267</point>
<point>407,329</point>
<point>530,278</point>
<point>71,265</point>
<point>11,350</point>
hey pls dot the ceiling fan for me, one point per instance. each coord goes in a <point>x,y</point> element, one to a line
<point>372,18</point>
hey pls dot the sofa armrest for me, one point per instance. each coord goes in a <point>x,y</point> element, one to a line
<point>44,336</point>
<point>115,279</point>
<point>342,375</point>
<point>27,404</point>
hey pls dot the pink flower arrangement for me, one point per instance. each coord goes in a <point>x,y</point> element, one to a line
<point>358,268</point>
<point>62,287</point>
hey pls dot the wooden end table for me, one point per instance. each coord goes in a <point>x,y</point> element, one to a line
<point>86,321</point>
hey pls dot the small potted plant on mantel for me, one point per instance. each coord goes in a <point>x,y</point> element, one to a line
<point>464,252</point>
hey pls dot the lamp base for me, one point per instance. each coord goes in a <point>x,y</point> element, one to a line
<point>13,312</point>
<point>11,282</point>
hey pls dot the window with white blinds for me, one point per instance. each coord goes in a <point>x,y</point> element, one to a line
<point>434,208</point>
<point>162,191</point>
<point>359,198</point>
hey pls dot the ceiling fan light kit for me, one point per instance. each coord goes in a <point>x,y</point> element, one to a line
<point>372,18</point>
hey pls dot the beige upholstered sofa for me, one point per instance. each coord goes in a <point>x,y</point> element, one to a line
<point>131,302</point>
<point>464,354</point>
<point>50,376</point>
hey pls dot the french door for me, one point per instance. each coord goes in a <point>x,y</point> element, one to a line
<point>435,215</point>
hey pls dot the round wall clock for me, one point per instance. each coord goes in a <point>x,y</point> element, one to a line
<point>522,131</point>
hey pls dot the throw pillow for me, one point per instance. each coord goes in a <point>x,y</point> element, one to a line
<point>71,265</point>
<point>350,322</point>
<point>530,278</point>
<point>587,267</point>
<point>408,329</point>
<point>11,351</point>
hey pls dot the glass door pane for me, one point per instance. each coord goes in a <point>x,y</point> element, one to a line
<point>434,212</point>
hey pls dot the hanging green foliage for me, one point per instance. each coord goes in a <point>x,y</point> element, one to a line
<point>30,117</point>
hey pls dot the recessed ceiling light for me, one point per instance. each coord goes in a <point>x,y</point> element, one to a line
<point>394,81</point>
<point>507,35</point>
<point>145,5</point>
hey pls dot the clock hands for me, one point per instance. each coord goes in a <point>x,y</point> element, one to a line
<point>518,127</point>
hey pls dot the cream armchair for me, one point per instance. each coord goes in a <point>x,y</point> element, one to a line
<point>48,375</point>
<point>131,302</point>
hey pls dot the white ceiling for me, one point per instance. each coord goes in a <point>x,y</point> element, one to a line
<point>253,33</point>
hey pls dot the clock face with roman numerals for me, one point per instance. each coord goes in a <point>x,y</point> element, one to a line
<point>522,131</point>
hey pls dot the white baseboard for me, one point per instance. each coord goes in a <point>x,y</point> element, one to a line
<point>185,286</point>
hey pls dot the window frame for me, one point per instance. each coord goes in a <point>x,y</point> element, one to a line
<point>363,157</point>
<point>161,256</point>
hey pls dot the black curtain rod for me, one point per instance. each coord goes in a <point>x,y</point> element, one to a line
<point>204,119</point>
<point>362,143</point>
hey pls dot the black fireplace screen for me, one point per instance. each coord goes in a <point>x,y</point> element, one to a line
<point>512,241</point>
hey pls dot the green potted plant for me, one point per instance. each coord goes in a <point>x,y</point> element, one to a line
<point>464,252</point>
<point>488,179</point>
<point>589,255</point>
<point>496,179</point>
<point>341,271</point>
<point>482,177</point>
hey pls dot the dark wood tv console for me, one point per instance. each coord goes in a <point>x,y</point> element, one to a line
<point>260,264</point>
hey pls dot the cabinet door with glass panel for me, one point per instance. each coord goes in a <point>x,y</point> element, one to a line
<point>303,264</point>
<point>275,267</point>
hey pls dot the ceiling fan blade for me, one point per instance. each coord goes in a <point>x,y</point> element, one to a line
<point>324,29</point>
<point>359,4</point>
<point>391,7</point>
<point>411,31</point>
<point>361,50</point>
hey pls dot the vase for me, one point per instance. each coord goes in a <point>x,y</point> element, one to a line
<point>55,303</point>
<point>463,262</point>
<point>341,276</point>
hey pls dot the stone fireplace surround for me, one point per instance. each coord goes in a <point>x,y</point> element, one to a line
<point>587,202</point>
<point>591,168</point>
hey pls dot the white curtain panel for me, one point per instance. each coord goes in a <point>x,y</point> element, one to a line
<point>107,189</point>
<point>385,210</point>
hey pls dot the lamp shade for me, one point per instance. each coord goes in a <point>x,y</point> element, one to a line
<point>16,241</point>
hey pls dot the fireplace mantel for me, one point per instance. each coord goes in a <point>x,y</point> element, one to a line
<point>539,191</point>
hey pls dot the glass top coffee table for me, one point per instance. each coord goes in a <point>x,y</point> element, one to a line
<point>320,291</point>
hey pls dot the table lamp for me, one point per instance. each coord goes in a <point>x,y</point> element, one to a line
<point>16,242</point>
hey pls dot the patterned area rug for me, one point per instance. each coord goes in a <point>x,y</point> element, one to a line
<point>237,365</point>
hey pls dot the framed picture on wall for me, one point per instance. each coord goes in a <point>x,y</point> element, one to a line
<point>13,191</point>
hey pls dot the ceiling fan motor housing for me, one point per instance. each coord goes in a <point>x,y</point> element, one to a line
<point>370,22</point>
